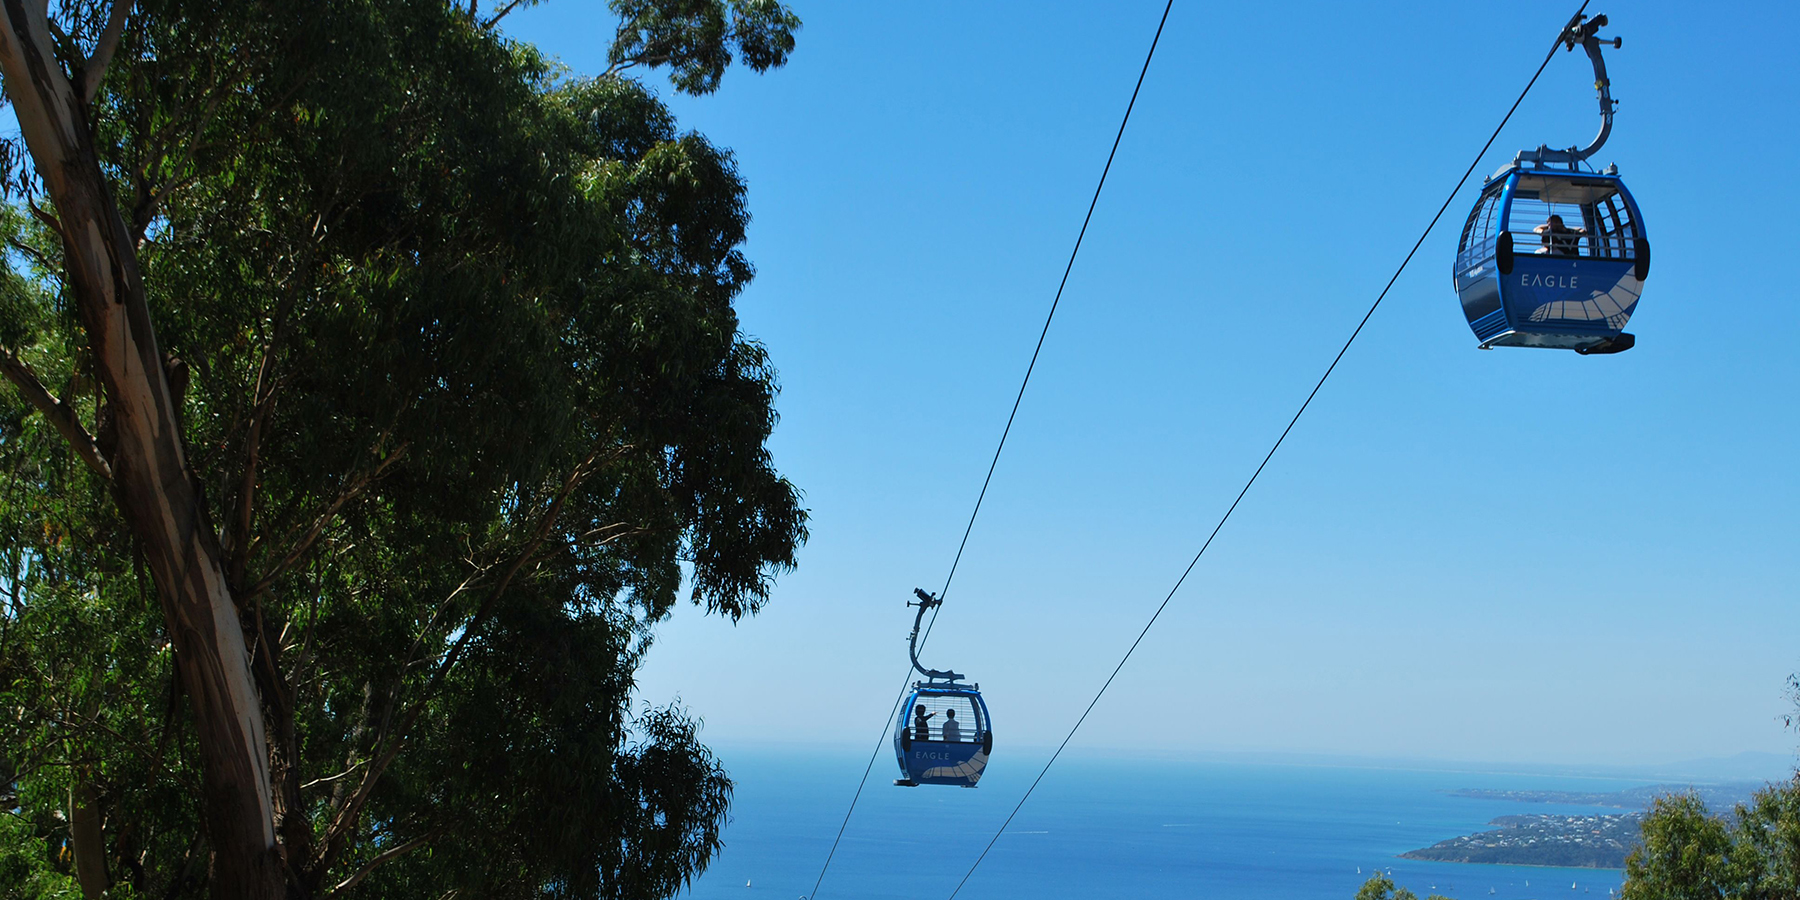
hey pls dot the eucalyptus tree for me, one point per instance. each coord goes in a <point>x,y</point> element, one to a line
<point>375,389</point>
<point>1751,853</point>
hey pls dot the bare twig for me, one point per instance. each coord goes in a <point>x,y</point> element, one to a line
<point>60,414</point>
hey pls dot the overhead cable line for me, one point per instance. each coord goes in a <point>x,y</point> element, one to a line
<point>1004,433</point>
<point>1268,456</point>
<point>1070,267</point>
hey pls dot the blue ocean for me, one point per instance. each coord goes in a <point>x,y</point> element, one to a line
<point>1100,827</point>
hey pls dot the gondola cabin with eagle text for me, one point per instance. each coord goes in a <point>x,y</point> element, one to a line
<point>944,734</point>
<point>1554,254</point>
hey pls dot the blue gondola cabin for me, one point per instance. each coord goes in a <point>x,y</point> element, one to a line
<point>1552,258</point>
<point>943,736</point>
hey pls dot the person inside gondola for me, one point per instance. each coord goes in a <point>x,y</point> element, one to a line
<point>1560,239</point>
<point>921,724</point>
<point>952,731</point>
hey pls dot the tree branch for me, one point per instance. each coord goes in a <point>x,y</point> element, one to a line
<point>224,81</point>
<point>60,414</point>
<point>412,653</point>
<point>496,17</point>
<point>650,60</point>
<point>386,855</point>
<point>390,742</point>
<point>545,525</point>
<point>33,252</point>
<point>606,534</point>
<point>238,549</point>
<point>311,536</point>
<point>95,68</point>
<point>306,636</point>
<point>49,221</point>
<point>330,778</point>
<point>263,396</point>
<point>61,44</point>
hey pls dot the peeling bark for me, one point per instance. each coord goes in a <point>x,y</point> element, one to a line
<point>152,483</point>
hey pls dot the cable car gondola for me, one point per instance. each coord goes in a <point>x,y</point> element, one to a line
<point>1552,255</point>
<point>944,734</point>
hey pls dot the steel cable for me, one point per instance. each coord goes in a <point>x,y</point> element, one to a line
<point>1265,461</point>
<point>1004,433</point>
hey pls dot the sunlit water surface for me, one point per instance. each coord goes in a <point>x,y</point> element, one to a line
<point>1108,828</point>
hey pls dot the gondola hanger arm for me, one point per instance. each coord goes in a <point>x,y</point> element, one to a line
<point>927,601</point>
<point>1583,31</point>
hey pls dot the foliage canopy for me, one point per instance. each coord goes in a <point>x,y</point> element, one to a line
<point>450,341</point>
<point>1688,854</point>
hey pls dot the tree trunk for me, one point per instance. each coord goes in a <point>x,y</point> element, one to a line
<point>151,481</point>
<point>85,837</point>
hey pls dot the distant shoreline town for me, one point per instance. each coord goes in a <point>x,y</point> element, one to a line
<point>1594,841</point>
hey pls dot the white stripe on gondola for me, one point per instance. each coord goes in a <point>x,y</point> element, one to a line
<point>970,770</point>
<point>1614,305</point>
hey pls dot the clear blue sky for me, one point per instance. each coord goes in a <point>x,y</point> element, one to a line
<point>1512,555</point>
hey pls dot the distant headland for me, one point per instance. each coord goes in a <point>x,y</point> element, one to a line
<point>1587,842</point>
<point>1597,841</point>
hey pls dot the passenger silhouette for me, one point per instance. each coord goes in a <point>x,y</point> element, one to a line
<point>952,731</point>
<point>921,724</point>
<point>1559,239</point>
